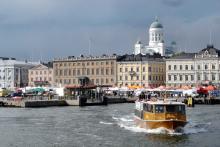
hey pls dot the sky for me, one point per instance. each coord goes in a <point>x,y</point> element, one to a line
<point>48,29</point>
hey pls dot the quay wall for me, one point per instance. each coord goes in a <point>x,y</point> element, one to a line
<point>44,103</point>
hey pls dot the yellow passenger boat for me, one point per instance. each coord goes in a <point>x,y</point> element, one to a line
<point>155,114</point>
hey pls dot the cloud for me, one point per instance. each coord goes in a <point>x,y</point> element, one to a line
<point>173,3</point>
<point>53,28</point>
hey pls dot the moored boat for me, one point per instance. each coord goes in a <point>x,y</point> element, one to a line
<point>155,114</point>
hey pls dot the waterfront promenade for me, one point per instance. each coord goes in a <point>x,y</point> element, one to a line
<point>43,101</point>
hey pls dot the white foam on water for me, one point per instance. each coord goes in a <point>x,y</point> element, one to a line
<point>106,123</point>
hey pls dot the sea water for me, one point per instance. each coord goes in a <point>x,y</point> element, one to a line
<point>102,126</point>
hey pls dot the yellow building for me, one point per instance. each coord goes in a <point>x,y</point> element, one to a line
<point>41,75</point>
<point>100,70</point>
<point>141,70</point>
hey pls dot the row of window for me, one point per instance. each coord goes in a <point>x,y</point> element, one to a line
<point>150,78</point>
<point>84,63</point>
<point>41,79</point>
<point>206,77</point>
<point>150,69</point>
<point>156,38</point>
<point>165,108</point>
<point>40,72</point>
<point>4,70</point>
<point>74,72</point>
<point>191,67</point>
<point>94,81</point>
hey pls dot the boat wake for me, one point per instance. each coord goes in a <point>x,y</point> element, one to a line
<point>127,122</point>
<point>106,123</point>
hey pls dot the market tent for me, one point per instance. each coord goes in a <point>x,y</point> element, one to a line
<point>36,90</point>
<point>210,88</point>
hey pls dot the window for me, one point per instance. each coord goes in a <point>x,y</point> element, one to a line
<point>78,72</point>
<point>198,67</point>
<point>74,72</point>
<point>137,77</point>
<point>106,71</point>
<point>143,77</point>
<point>181,67</point>
<point>169,77</point>
<point>88,71</point>
<point>126,69</point>
<point>159,108</point>
<point>175,77</point>
<point>149,77</point>
<point>186,77</point>
<point>169,67</point>
<point>65,72</point>
<point>186,67</point>
<point>148,108</point>
<point>206,66</point>
<point>181,77</point>
<point>170,108</point>
<point>137,69</point>
<point>61,72</point>
<point>149,69</point>
<point>120,69</point>
<point>192,77</point>
<point>198,77</point>
<point>213,77</point>
<point>97,81</point>
<point>192,67</point>
<point>97,71</point>
<point>120,77</point>
<point>213,66</point>
<point>174,67</point>
<point>143,69</point>
<point>112,71</point>
<point>102,71</point>
<point>206,77</point>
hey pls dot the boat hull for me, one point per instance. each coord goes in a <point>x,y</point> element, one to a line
<point>152,124</point>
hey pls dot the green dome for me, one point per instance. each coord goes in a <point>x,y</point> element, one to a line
<point>156,24</point>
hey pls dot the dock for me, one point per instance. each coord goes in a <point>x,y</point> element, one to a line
<point>38,101</point>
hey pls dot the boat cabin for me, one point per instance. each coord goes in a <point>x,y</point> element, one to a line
<point>160,110</point>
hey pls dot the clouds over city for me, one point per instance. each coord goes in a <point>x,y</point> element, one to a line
<point>51,28</point>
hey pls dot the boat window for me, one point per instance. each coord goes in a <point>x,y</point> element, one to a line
<point>148,108</point>
<point>175,108</point>
<point>159,108</point>
<point>170,108</point>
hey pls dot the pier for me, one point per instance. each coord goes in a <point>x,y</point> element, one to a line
<point>39,101</point>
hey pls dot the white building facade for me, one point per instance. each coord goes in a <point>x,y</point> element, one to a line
<point>14,73</point>
<point>156,41</point>
<point>192,69</point>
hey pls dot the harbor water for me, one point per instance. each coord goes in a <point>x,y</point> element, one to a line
<point>102,126</point>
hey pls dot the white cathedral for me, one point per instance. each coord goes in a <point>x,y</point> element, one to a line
<point>156,42</point>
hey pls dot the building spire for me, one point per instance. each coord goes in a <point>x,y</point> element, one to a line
<point>156,18</point>
<point>210,37</point>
